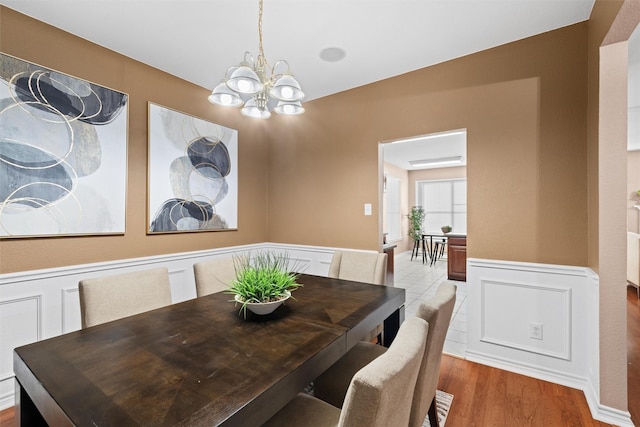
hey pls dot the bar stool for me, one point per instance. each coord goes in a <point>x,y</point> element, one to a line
<point>415,252</point>
<point>438,251</point>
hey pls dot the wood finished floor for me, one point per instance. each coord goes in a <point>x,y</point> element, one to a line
<point>485,396</point>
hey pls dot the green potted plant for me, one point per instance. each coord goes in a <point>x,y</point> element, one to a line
<point>446,229</point>
<point>416,218</point>
<point>264,280</point>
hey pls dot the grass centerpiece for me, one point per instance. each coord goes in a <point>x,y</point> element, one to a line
<point>264,280</point>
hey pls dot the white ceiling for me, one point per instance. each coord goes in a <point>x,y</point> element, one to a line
<point>434,146</point>
<point>197,40</point>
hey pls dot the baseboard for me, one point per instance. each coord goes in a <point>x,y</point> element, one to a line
<point>598,411</point>
<point>6,401</point>
<point>533,371</point>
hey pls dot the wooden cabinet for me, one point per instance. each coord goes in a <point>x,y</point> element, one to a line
<point>457,258</point>
<point>389,249</point>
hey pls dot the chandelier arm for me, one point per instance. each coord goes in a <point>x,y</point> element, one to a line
<point>273,70</point>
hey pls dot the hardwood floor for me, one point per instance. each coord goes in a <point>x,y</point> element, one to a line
<point>485,396</point>
<point>7,419</point>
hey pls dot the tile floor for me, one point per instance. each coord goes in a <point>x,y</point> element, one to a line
<point>421,282</point>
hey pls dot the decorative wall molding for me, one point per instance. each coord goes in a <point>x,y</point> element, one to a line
<point>493,333</point>
<point>55,293</point>
<point>21,320</point>
<point>505,297</point>
<point>574,289</point>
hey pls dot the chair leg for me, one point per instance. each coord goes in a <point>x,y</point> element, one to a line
<point>433,413</point>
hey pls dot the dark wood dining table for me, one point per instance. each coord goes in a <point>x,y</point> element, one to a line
<point>198,362</point>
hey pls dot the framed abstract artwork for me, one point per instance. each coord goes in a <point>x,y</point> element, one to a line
<point>193,173</point>
<point>63,153</point>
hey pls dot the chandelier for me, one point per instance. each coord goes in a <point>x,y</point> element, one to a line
<point>257,85</point>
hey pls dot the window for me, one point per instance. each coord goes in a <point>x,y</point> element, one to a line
<point>444,203</point>
<point>393,225</point>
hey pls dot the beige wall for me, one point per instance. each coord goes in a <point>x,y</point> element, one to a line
<point>392,170</point>
<point>524,107</point>
<point>34,41</point>
<point>633,185</point>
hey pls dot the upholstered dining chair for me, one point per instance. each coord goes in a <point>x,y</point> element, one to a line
<point>331,386</point>
<point>214,276</point>
<point>379,394</point>
<point>366,267</point>
<point>104,299</point>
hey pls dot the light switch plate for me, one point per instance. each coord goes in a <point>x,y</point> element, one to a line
<point>367,209</point>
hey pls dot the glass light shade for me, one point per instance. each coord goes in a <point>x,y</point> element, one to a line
<point>251,109</point>
<point>245,80</point>
<point>222,95</point>
<point>287,88</point>
<point>289,108</point>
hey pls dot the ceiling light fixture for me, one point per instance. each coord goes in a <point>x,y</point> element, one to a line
<point>430,136</point>
<point>256,85</point>
<point>436,162</point>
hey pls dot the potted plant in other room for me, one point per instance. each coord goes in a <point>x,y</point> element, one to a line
<point>446,229</point>
<point>416,218</point>
<point>263,281</point>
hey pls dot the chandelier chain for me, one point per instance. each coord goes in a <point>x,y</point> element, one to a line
<point>261,57</point>
<point>255,84</point>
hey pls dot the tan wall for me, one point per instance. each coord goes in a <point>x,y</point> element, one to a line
<point>633,185</point>
<point>524,106</point>
<point>403,176</point>
<point>36,42</point>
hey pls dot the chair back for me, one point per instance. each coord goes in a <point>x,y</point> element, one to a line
<point>214,276</point>
<point>379,394</point>
<point>366,267</point>
<point>104,299</point>
<point>437,312</point>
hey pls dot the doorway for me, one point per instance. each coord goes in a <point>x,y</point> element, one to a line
<point>430,171</point>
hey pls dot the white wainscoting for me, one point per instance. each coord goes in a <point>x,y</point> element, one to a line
<point>505,298</point>
<point>36,305</point>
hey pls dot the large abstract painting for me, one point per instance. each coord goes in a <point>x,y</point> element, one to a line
<point>193,173</point>
<point>63,153</point>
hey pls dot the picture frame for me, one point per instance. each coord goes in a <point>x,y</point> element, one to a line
<point>63,153</point>
<point>193,173</point>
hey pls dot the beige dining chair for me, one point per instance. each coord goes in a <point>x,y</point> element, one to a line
<point>366,267</point>
<point>379,394</point>
<point>104,299</point>
<point>214,276</point>
<point>331,386</point>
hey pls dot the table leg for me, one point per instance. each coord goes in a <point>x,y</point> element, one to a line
<point>391,326</point>
<point>26,412</point>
